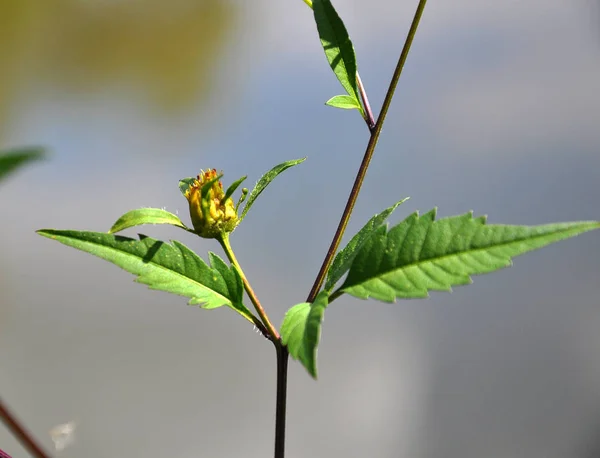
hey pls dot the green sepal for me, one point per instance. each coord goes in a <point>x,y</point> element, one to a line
<point>185,183</point>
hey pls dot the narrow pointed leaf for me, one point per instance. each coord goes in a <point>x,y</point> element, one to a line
<point>343,260</point>
<point>345,102</point>
<point>232,187</point>
<point>11,160</point>
<point>421,254</point>
<point>265,180</point>
<point>146,216</point>
<point>173,268</point>
<point>337,46</point>
<point>301,331</point>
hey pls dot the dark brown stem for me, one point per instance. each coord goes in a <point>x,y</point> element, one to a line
<point>362,171</point>
<point>280,406</point>
<point>20,433</point>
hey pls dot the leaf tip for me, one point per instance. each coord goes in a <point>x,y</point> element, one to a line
<point>430,215</point>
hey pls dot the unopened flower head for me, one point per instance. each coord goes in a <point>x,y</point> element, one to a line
<point>211,214</point>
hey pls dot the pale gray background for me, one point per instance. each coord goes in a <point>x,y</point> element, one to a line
<point>498,111</point>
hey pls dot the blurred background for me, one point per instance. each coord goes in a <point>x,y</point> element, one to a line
<point>497,112</point>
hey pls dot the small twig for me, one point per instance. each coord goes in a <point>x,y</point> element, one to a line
<point>20,433</point>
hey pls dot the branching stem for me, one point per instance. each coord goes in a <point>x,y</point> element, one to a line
<point>362,171</point>
<point>375,129</point>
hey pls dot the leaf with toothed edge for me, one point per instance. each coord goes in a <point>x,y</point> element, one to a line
<point>421,254</point>
<point>173,268</point>
<point>343,259</point>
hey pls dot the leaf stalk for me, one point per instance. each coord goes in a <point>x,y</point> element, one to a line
<point>369,119</point>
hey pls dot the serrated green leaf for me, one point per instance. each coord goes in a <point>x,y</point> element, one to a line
<point>13,159</point>
<point>146,216</point>
<point>173,268</point>
<point>265,180</point>
<point>185,183</point>
<point>343,259</point>
<point>337,46</point>
<point>421,254</point>
<point>345,102</point>
<point>301,331</point>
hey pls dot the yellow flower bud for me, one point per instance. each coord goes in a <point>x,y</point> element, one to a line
<point>211,215</point>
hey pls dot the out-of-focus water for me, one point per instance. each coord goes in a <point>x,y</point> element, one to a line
<point>496,112</point>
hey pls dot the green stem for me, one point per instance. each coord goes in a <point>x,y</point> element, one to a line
<point>362,171</point>
<point>270,329</point>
